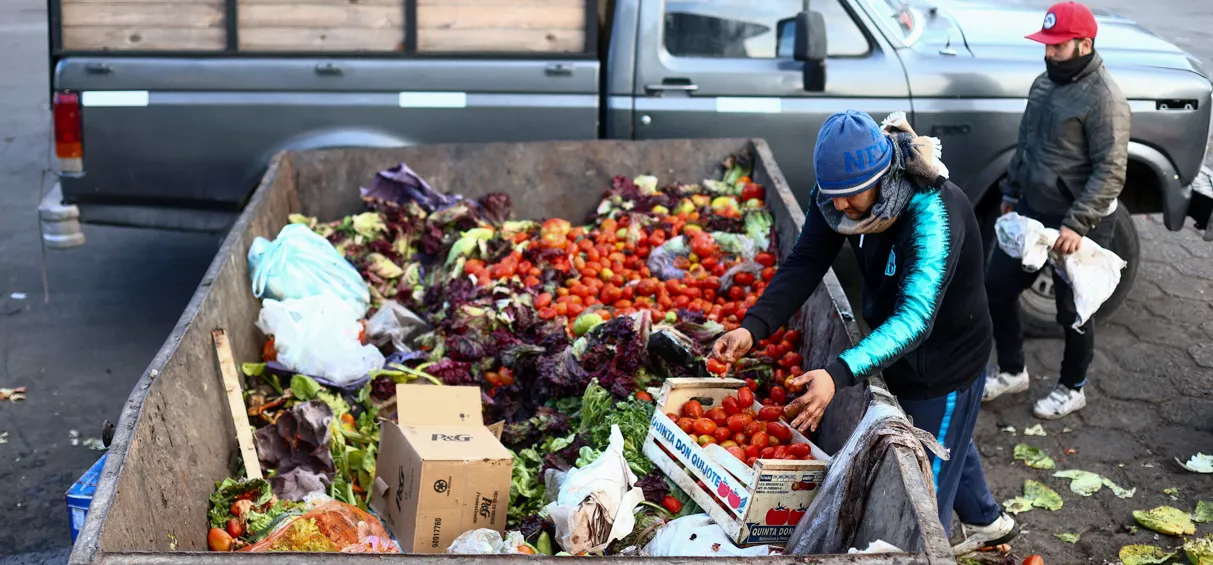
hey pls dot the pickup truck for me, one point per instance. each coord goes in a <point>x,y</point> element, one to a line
<point>166,113</point>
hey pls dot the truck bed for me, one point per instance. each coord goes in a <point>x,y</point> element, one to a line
<point>175,437</point>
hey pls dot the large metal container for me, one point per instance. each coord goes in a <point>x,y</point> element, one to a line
<point>175,438</point>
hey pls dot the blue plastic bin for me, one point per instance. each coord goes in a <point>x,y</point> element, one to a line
<point>80,495</point>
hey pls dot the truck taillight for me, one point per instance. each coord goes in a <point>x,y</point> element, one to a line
<point>69,134</point>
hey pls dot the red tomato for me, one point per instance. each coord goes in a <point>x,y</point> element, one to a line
<point>760,439</point>
<point>766,452</point>
<point>752,450</point>
<point>744,278</point>
<point>799,450</point>
<point>779,431</point>
<point>765,259</point>
<point>778,335</point>
<point>685,424</point>
<point>790,359</point>
<point>730,405</point>
<point>752,385</point>
<point>717,415</point>
<point>736,452</point>
<point>791,337</point>
<point>779,395</point>
<point>781,452</point>
<point>715,366</point>
<point>722,434</point>
<point>750,461</point>
<point>745,396</point>
<point>673,505</point>
<point>704,426</point>
<point>692,409</point>
<point>1034,560</point>
<point>769,413</point>
<point>736,293</point>
<point>741,438</point>
<point>738,422</point>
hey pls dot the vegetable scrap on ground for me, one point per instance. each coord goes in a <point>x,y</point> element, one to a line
<point>568,330</point>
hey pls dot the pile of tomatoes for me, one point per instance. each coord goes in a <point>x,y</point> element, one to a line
<point>744,433</point>
<point>607,264</point>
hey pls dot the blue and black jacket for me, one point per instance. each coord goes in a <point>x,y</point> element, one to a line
<point>923,295</point>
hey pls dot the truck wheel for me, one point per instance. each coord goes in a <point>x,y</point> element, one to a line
<point>1037,308</point>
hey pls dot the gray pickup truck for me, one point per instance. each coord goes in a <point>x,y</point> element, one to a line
<point>152,130</point>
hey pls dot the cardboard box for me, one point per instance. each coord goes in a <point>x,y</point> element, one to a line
<point>758,505</point>
<point>80,496</point>
<point>440,472</point>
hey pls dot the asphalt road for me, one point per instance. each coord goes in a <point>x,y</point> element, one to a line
<point>111,303</point>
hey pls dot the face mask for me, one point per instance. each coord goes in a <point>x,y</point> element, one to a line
<point>1064,72</point>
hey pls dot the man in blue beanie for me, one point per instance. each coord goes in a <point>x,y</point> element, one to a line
<point>921,257</point>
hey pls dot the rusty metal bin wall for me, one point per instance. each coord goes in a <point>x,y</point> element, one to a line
<point>175,438</point>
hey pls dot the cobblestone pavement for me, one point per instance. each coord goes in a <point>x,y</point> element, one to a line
<point>1149,401</point>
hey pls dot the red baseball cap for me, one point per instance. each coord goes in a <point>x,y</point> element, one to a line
<point>1066,21</point>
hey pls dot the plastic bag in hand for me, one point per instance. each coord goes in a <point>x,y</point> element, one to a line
<point>318,336</point>
<point>596,503</point>
<point>1092,272</point>
<point>300,263</point>
<point>698,536</point>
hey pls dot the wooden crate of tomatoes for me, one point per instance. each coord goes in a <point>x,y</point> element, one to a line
<point>749,470</point>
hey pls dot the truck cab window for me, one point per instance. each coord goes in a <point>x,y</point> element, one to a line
<point>746,29</point>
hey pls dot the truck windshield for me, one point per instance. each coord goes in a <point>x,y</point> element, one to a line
<point>900,18</point>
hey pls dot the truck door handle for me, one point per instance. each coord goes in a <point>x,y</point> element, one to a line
<point>329,69</point>
<point>558,70</point>
<point>651,88</point>
<point>96,68</point>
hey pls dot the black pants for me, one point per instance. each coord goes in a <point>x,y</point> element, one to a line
<point>1006,280</point>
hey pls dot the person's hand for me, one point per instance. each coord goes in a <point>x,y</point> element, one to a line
<point>808,407</point>
<point>1067,242</point>
<point>732,346</point>
<point>1006,208</point>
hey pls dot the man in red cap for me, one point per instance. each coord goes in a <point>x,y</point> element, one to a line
<point>1067,172</point>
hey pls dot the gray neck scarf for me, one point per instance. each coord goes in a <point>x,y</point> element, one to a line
<point>912,169</point>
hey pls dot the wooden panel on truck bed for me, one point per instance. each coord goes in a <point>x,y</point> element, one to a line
<point>320,25</point>
<point>143,25</point>
<point>510,26</point>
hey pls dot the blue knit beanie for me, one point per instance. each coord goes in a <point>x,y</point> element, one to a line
<point>851,154</point>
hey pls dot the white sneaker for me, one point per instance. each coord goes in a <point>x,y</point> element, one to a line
<point>1062,401</point>
<point>1002,530</point>
<point>1003,383</point>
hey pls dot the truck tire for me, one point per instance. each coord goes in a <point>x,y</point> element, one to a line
<point>1037,306</point>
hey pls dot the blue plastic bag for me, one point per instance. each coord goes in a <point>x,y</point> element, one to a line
<point>300,263</point>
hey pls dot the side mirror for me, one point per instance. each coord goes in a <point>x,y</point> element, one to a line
<point>809,47</point>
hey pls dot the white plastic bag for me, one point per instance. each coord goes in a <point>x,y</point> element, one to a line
<point>300,263</point>
<point>318,336</point>
<point>698,536</point>
<point>484,541</point>
<point>597,502</point>
<point>1092,272</point>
